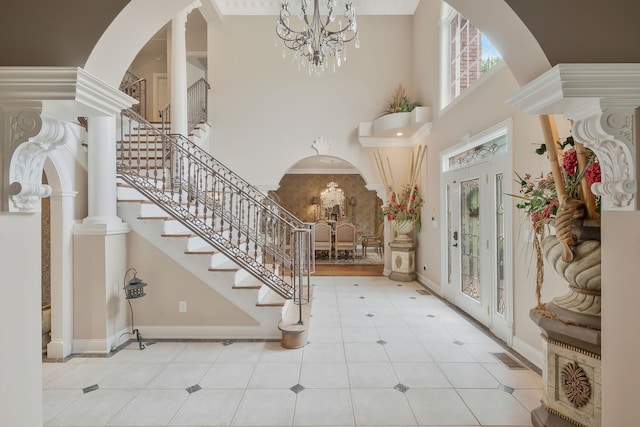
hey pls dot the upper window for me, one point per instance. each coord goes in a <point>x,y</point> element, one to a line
<point>468,54</point>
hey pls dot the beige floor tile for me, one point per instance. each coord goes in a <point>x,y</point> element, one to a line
<point>324,375</point>
<point>445,407</point>
<point>260,407</point>
<point>208,407</point>
<point>150,407</point>
<point>324,407</point>
<point>381,408</point>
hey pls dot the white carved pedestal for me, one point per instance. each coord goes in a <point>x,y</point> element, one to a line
<point>571,377</point>
<point>403,255</point>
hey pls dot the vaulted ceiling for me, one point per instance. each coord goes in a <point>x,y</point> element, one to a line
<point>63,32</point>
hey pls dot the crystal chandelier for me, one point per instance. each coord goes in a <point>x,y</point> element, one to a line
<point>315,43</point>
<point>332,196</point>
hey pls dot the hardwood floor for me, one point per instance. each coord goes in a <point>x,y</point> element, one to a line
<point>348,270</point>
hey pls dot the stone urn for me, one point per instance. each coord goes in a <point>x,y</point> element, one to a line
<point>582,304</point>
<point>402,228</point>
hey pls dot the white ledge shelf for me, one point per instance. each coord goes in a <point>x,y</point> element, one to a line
<point>397,129</point>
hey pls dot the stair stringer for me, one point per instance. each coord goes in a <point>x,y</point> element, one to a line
<point>222,281</point>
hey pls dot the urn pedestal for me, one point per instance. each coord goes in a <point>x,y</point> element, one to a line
<point>570,327</point>
<point>403,252</point>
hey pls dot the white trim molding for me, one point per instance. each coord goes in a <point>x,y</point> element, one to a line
<point>601,99</point>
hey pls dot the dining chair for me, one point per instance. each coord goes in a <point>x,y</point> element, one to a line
<point>374,240</point>
<point>345,238</point>
<point>322,237</point>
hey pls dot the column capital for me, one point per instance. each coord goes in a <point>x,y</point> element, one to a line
<point>601,100</point>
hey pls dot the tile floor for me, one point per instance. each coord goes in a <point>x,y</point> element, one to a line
<point>379,354</point>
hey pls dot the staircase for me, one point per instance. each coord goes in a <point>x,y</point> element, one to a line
<point>220,228</point>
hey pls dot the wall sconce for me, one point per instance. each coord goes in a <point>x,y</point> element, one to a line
<point>134,289</point>
<point>352,203</point>
<point>315,202</point>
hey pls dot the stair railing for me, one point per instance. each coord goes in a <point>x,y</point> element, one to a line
<point>136,88</point>
<point>197,107</point>
<point>217,205</point>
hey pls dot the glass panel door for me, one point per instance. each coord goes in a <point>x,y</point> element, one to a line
<point>470,238</point>
<point>500,242</point>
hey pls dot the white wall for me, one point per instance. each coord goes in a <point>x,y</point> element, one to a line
<point>20,320</point>
<point>481,107</point>
<point>621,293</point>
<point>266,114</point>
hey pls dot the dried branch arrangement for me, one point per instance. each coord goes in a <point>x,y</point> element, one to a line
<point>415,163</point>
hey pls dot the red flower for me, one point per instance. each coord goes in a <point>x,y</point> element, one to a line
<point>570,162</point>
<point>593,174</point>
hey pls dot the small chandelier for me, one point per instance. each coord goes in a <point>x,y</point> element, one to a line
<point>316,43</point>
<point>332,196</point>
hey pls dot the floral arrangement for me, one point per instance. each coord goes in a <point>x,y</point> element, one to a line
<point>538,194</point>
<point>400,102</point>
<point>560,196</point>
<point>404,205</point>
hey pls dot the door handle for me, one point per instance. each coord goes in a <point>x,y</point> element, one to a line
<point>455,245</point>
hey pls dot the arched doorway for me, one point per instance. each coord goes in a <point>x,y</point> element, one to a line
<point>300,192</point>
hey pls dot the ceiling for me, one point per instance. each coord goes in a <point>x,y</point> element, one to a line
<point>272,7</point>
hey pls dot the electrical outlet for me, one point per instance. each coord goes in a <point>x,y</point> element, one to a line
<point>182,306</point>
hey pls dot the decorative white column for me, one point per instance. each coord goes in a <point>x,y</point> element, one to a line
<point>99,248</point>
<point>179,120</point>
<point>101,169</point>
<point>179,74</point>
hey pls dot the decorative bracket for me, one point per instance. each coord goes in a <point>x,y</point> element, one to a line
<point>611,135</point>
<point>29,138</point>
<point>601,99</point>
<point>321,145</point>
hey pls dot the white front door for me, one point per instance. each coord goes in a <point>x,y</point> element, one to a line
<point>476,269</point>
<point>468,280</point>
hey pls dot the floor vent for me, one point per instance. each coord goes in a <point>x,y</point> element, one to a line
<point>423,292</point>
<point>508,361</point>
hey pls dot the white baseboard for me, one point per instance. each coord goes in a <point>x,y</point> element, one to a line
<point>58,349</point>
<point>209,332</point>
<point>431,285</point>
<point>531,354</point>
<point>91,346</point>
